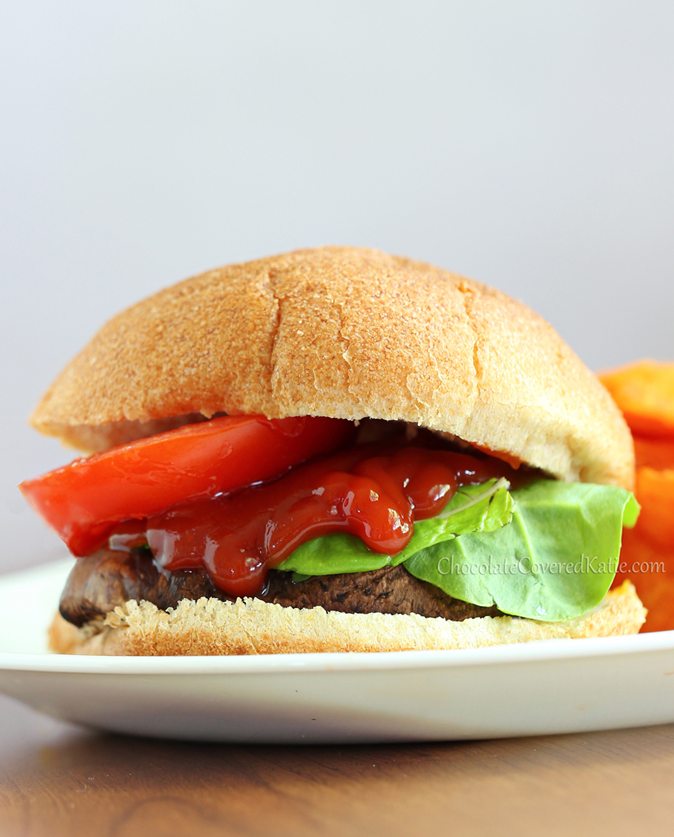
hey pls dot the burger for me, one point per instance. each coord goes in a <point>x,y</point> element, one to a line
<point>335,450</point>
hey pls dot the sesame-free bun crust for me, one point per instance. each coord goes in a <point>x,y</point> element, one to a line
<point>349,333</point>
<point>251,626</point>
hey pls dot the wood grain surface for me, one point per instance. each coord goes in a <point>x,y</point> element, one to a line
<point>59,780</point>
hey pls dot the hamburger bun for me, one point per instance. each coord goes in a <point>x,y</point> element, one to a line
<point>346,333</point>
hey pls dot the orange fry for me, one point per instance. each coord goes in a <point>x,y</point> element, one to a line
<point>655,492</point>
<point>644,391</point>
<point>654,452</point>
<point>647,556</point>
<point>651,569</point>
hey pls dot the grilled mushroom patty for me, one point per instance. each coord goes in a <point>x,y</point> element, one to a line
<point>101,582</point>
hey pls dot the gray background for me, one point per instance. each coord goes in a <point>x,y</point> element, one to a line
<point>527,144</point>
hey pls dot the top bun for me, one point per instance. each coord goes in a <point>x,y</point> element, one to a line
<point>349,333</point>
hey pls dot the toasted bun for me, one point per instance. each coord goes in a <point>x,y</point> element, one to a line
<point>250,626</point>
<point>348,333</point>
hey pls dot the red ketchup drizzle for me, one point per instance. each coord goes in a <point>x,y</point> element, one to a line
<point>373,491</point>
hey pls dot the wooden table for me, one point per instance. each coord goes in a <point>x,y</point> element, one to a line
<point>59,780</point>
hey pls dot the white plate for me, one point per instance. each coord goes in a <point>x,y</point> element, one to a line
<point>530,689</point>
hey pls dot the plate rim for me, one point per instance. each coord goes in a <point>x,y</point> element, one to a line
<point>525,652</point>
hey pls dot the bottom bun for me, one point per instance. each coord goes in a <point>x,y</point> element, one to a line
<point>250,626</point>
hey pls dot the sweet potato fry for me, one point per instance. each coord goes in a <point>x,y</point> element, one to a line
<point>655,452</point>
<point>655,492</point>
<point>647,556</point>
<point>651,569</point>
<point>644,391</point>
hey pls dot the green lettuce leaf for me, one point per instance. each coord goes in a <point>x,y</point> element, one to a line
<point>474,508</point>
<point>555,560</point>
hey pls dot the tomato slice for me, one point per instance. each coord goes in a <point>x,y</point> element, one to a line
<point>84,500</point>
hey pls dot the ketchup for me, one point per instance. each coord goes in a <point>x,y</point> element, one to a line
<point>375,492</point>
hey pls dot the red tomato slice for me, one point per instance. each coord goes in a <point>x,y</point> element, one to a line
<point>84,501</point>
